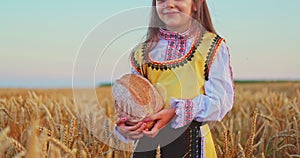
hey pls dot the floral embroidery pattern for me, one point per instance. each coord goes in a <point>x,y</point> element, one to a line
<point>175,62</point>
<point>176,42</point>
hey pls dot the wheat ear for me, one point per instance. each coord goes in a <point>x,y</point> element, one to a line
<point>85,149</point>
<point>33,145</point>
<point>250,141</point>
<point>59,144</point>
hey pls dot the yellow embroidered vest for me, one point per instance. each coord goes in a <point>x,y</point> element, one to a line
<point>182,78</point>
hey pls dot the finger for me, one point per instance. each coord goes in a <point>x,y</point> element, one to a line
<point>138,131</point>
<point>141,128</point>
<point>154,131</point>
<point>122,129</point>
<point>137,136</point>
<point>158,125</point>
<point>121,121</point>
<point>151,133</point>
<point>135,127</point>
<point>148,133</point>
<point>146,120</point>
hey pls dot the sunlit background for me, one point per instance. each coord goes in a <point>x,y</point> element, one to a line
<point>39,40</point>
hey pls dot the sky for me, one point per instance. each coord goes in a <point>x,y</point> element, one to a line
<point>42,42</point>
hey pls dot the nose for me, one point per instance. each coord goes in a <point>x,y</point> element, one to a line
<point>169,4</point>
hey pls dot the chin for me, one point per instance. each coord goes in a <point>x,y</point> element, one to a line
<point>172,24</point>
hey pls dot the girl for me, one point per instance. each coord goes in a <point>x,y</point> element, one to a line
<point>189,63</point>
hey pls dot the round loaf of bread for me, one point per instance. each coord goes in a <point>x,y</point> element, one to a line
<point>136,98</point>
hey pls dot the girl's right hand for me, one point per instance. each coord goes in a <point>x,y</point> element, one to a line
<point>130,132</point>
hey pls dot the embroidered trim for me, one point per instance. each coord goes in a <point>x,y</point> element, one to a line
<point>165,65</point>
<point>184,113</point>
<point>176,42</point>
<point>176,62</point>
<point>191,141</point>
<point>187,134</point>
<point>135,63</point>
<point>203,146</point>
<point>188,112</point>
<point>175,49</point>
<point>169,35</point>
<point>195,140</point>
<point>211,55</point>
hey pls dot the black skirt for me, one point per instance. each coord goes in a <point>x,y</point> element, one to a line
<point>174,143</point>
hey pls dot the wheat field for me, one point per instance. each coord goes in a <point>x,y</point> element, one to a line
<point>264,122</point>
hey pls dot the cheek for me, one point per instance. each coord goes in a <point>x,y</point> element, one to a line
<point>158,9</point>
<point>189,11</point>
<point>159,12</point>
<point>188,8</point>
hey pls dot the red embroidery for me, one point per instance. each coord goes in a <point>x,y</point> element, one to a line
<point>188,112</point>
<point>134,63</point>
<point>174,61</point>
<point>176,47</point>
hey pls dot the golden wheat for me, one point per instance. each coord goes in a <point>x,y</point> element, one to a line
<point>62,131</point>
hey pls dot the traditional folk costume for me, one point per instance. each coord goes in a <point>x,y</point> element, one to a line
<point>192,72</point>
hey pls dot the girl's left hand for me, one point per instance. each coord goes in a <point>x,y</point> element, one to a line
<point>161,118</point>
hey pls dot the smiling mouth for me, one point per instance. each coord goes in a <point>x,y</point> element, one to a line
<point>170,13</point>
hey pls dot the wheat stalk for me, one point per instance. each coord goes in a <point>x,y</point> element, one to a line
<point>58,113</point>
<point>33,145</point>
<point>54,152</point>
<point>6,112</point>
<point>297,135</point>
<point>158,155</point>
<point>60,145</point>
<point>276,133</point>
<point>250,141</point>
<point>72,131</point>
<point>10,152</point>
<point>85,149</point>
<point>19,147</point>
<point>3,133</point>
<point>20,154</point>
<point>65,135</point>
<point>67,108</point>
<point>241,151</point>
<point>4,145</point>
<point>43,140</point>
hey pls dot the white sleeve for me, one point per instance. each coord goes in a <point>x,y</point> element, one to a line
<point>218,98</point>
<point>219,90</point>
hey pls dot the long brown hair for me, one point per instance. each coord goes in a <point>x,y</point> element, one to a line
<point>202,16</point>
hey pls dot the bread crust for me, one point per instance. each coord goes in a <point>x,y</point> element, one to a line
<point>136,98</point>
